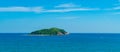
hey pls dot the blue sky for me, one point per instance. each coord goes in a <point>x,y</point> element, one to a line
<point>77,16</point>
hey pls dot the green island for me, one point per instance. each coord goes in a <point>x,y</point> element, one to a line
<point>49,32</point>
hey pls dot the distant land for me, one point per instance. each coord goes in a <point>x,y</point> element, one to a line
<point>49,32</point>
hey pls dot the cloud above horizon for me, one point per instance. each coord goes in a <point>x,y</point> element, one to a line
<point>71,9</point>
<point>67,7</point>
<point>21,9</point>
<point>40,9</point>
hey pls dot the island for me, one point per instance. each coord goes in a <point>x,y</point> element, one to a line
<point>49,32</point>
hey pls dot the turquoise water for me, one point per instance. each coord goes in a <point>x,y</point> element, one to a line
<point>75,42</point>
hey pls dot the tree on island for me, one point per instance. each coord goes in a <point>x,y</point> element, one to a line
<point>51,31</point>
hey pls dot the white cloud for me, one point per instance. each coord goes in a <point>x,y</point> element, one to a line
<point>71,9</point>
<point>21,9</point>
<point>66,5</point>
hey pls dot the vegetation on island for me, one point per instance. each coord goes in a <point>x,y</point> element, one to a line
<point>50,31</point>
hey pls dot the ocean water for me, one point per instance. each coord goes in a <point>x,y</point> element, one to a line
<point>74,42</point>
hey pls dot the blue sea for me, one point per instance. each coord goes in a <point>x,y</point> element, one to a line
<point>74,42</point>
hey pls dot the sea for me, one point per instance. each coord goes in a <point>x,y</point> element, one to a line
<point>74,42</point>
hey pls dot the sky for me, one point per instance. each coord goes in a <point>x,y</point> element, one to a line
<point>75,16</point>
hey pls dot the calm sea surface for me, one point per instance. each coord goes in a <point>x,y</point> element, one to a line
<point>75,42</point>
